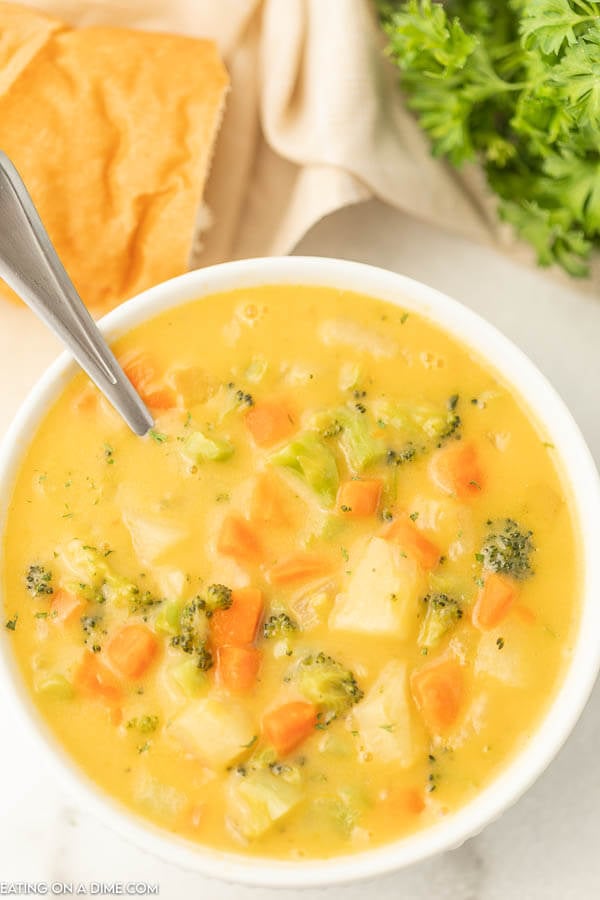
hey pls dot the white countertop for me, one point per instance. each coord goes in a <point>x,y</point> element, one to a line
<point>548,846</point>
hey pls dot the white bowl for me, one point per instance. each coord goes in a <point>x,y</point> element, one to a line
<point>582,477</point>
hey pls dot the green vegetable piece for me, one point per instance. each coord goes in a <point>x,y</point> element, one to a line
<point>443,612</point>
<point>55,686</point>
<point>360,447</point>
<point>199,448</point>
<point>119,591</point>
<point>312,460</point>
<point>192,633</point>
<point>514,85</point>
<point>257,799</point>
<point>341,811</point>
<point>279,625</point>
<point>507,549</point>
<point>192,680</point>
<point>96,580</point>
<point>143,724</point>
<point>169,616</point>
<point>328,684</point>
<point>87,564</point>
<point>216,596</point>
<point>38,581</point>
<point>257,369</point>
<point>421,424</point>
<point>355,431</point>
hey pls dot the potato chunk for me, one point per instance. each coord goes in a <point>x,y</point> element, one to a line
<point>259,799</point>
<point>216,733</point>
<point>381,595</point>
<point>387,724</point>
<point>506,653</point>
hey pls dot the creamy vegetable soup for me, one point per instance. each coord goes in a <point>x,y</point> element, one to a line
<point>322,603</point>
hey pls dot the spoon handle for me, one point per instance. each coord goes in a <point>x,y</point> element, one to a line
<point>30,266</point>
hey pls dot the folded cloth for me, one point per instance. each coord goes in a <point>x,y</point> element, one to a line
<point>315,121</point>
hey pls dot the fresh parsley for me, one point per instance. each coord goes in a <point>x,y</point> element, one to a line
<point>515,86</point>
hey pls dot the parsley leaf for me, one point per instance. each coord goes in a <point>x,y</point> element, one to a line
<point>516,87</point>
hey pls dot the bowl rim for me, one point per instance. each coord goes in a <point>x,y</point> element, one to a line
<point>579,470</point>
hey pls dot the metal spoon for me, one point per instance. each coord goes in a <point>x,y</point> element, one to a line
<point>30,266</point>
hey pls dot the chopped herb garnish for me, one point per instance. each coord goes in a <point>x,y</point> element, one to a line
<point>158,436</point>
<point>11,624</point>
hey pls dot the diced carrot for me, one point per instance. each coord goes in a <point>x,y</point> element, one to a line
<point>65,606</point>
<point>494,600</point>
<point>524,613</point>
<point>270,422</point>
<point>300,567</point>
<point>237,667</point>
<point>404,801</point>
<point>238,624</point>
<point>287,726</point>
<point>270,501</point>
<point>160,398</point>
<point>359,498</point>
<point>438,691</point>
<point>456,469</point>
<point>95,681</point>
<point>116,715</point>
<point>403,532</point>
<point>142,373</point>
<point>132,650</point>
<point>139,368</point>
<point>239,540</point>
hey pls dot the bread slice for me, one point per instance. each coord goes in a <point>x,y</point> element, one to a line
<point>113,131</point>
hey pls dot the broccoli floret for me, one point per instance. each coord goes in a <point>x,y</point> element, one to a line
<point>328,685</point>
<point>38,580</point>
<point>443,612</point>
<point>398,457</point>
<point>279,626</point>
<point>423,426</point>
<point>448,426</point>
<point>142,601</point>
<point>312,461</point>
<point>217,596</point>
<point>203,658</point>
<point>238,397</point>
<point>198,448</point>
<point>508,549</point>
<point>143,724</point>
<point>192,633</point>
